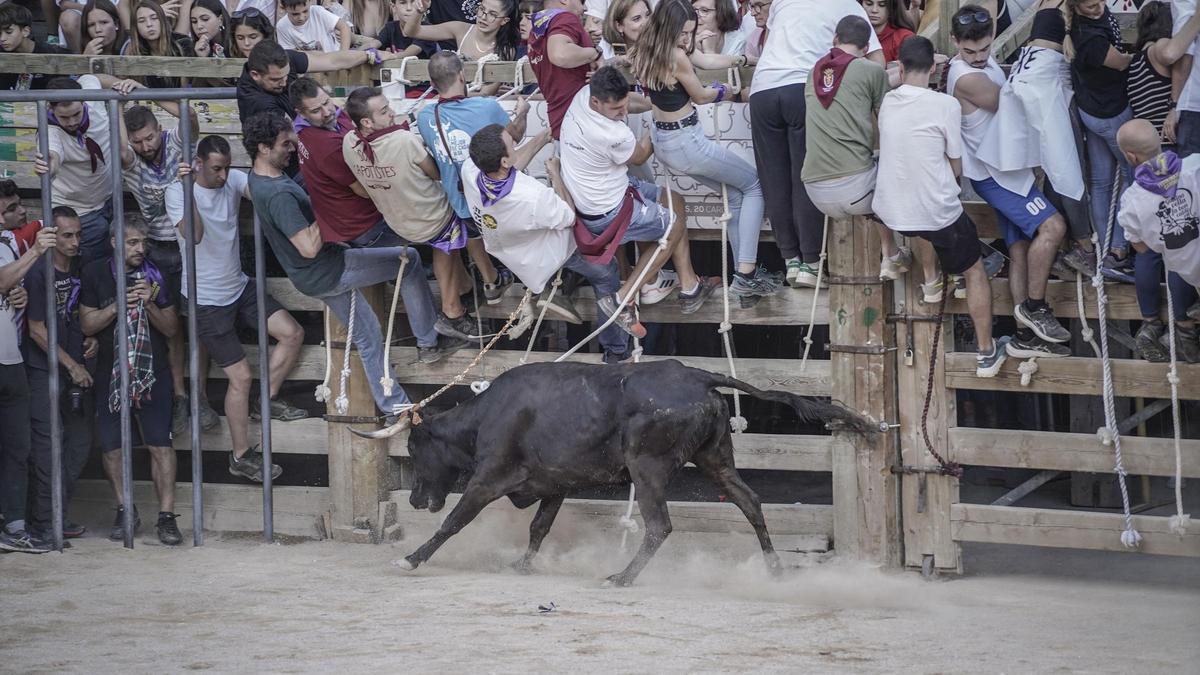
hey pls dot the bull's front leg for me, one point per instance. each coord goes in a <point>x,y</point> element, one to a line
<point>474,499</point>
<point>538,529</point>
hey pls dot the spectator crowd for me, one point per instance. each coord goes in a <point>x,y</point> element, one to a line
<point>1083,146</point>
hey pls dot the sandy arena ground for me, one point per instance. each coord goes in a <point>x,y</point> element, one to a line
<point>237,605</point>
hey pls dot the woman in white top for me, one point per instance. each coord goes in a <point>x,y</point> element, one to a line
<point>368,17</point>
<point>496,31</point>
<point>718,28</point>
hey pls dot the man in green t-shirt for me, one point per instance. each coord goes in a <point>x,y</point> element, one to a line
<point>332,273</point>
<point>841,102</point>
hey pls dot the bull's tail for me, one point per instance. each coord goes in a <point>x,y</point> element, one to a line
<point>834,415</point>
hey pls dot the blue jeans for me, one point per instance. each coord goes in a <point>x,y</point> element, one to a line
<point>369,266</point>
<point>1148,274</point>
<point>1187,133</point>
<point>379,236</point>
<point>1103,159</point>
<point>605,280</point>
<point>689,151</point>
<point>94,236</point>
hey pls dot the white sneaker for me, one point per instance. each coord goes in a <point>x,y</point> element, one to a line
<point>660,289</point>
<point>933,292</point>
<point>890,268</point>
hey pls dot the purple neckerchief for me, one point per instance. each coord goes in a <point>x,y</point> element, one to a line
<point>299,123</point>
<point>492,190</point>
<point>1160,174</point>
<point>81,137</point>
<point>151,273</point>
<point>541,23</point>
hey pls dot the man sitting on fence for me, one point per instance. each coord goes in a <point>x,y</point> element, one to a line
<point>403,180</point>
<point>917,193</point>
<point>1160,213</point>
<point>840,105</point>
<point>149,309</point>
<point>597,148</point>
<point>331,273</point>
<point>1033,228</point>
<point>149,161</point>
<point>528,226</point>
<point>226,299</point>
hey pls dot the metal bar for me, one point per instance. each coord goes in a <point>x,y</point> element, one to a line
<point>1038,480</point>
<point>56,447</point>
<point>70,95</point>
<point>264,379</point>
<point>121,350</point>
<point>189,266</point>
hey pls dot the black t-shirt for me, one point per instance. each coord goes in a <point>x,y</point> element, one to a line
<point>66,295</point>
<point>98,289</point>
<point>441,11</point>
<point>26,81</point>
<point>395,40</point>
<point>1100,91</point>
<point>253,99</point>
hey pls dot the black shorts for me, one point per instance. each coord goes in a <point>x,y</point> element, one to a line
<point>217,326</point>
<point>167,258</point>
<point>957,245</point>
<point>148,425</point>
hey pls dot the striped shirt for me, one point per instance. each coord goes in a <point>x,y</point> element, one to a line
<point>1149,91</point>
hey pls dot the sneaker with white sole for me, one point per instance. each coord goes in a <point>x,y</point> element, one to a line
<point>463,328</point>
<point>1035,348</point>
<point>658,290</point>
<point>758,284</point>
<point>987,365</point>
<point>559,307</point>
<point>494,293</point>
<point>893,267</point>
<point>1042,323</point>
<point>806,275</point>
<point>627,319</point>
<point>793,269</point>
<point>690,303</point>
<point>931,293</point>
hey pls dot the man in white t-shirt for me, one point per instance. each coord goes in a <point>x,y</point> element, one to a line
<point>1160,212</point>
<point>528,226</point>
<point>226,298</point>
<point>597,147</point>
<point>917,192</point>
<point>1033,229</point>
<point>799,32</point>
<point>311,28</point>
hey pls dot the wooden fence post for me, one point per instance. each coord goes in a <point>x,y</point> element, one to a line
<point>863,370</point>
<point>360,472</point>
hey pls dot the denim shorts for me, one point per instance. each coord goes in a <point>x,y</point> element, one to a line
<point>650,219</point>
<point>1019,216</point>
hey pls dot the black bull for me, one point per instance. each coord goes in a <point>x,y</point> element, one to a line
<point>544,430</point>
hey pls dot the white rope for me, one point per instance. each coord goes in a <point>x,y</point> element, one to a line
<point>1027,369</point>
<point>1085,330</point>
<point>541,315</point>
<point>481,385</point>
<point>403,79</point>
<point>1178,522</point>
<point>342,402</point>
<point>812,315</point>
<point>477,81</point>
<point>1110,434</point>
<point>323,391</point>
<point>386,380</point>
<point>627,523</point>
<point>737,423</point>
<point>518,80</point>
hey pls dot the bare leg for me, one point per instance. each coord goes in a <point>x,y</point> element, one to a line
<point>1041,254</point>
<point>447,278</point>
<point>237,406</point>
<point>1018,272</point>
<point>887,240</point>
<point>162,469</point>
<point>112,468</point>
<point>538,529</point>
<point>925,254</point>
<point>289,337</point>
<point>483,262</point>
<point>679,246</point>
<point>176,356</point>
<point>979,305</point>
<point>69,22</point>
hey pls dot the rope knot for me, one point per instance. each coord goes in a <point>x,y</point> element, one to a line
<point>480,386</point>
<point>725,327</point>
<point>387,383</point>
<point>1027,369</point>
<point>1130,538</point>
<point>1105,435</point>
<point>322,393</point>
<point>1178,524</point>
<point>1173,378</point>
<point>738,424</point>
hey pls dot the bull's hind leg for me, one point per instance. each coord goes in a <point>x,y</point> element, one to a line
<point>650,476</point>
<point>715,459</point>
<point>538,529</point>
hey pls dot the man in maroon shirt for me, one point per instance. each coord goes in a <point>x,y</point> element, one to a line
<point>344,211</point>
<point>561,54</point>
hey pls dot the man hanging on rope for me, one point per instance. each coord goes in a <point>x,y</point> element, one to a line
<point>528,225</point>
<point>917,194</point>
<point>614,208</point>
<point>328,272</point>
<point>1160,213</point>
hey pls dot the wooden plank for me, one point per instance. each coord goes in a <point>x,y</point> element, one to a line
<point>1122,300</point>
<point>1071,452</point>
<point>1076,375</point>
<point>1016,35</point>
<point>1067,529</point>
<point>301,437</point>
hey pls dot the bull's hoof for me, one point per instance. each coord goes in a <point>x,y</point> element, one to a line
<point>404,564</point>
<point>522,566</point>
<point>619,580</point>
<point>774,565</point>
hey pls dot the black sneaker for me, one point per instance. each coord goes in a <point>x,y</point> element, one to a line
<point>280,410</point>
<point>613,358</point>
<point>445,346</point>
<point>1117,269</point>
<point>1081,261</point>
<point>756,284</point>
<point>559,307</point>
<point>250,466</point>
<point>21,542</point>
<point>1042,323</point>
<point>1033,347</point>
<point>117,533</point>
<point>494,293</point>
<point>987,365</point>
<point>45,539</point>
<point>993,260</point>
<point>463,328</point>
<point>168,531</point>
<point>1187,344</point>
<point>1149,342</point>
<point>179,415</point>
<point>209,419</point>
<point>690,303</point>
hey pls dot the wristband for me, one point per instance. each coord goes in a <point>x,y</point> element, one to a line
<point>599,54</point>
<point>373,56</point>
<point>721,91</point>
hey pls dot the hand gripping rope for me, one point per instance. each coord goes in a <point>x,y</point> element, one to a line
<point>413,108</point>
<point>1109,434</point>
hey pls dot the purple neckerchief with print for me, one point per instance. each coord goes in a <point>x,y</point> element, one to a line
<point>1160,174</point>
<point>492,190</point>
<point>541,23</point>
<point>80,134</point>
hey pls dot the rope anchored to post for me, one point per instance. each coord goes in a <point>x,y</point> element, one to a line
<point>945,467</point>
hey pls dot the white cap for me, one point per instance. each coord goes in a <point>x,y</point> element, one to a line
<point>596,8</point>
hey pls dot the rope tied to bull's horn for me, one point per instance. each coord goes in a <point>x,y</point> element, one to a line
<point>342,402</point>
<point>386,379</point>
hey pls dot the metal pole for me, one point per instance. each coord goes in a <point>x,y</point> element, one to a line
<point>264,378</point>
<point>70,95</point>
<point>121,350</point>
<point>189,267</point>
<point>56,459</point>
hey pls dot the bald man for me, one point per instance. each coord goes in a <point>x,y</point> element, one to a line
<point>1161,217</point>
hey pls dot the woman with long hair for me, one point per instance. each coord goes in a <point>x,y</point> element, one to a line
<point>210,29</point>
<point>662,64</point>
<point>368,16</point>
<point>892,25</point>
<point>101,30</point>
<point>624,22</point>
<point>497,30</point>
<point>248,28</point>
<point>152,37</point>
<point>718,28</point>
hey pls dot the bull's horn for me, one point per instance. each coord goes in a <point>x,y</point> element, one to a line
<point>403,423</point>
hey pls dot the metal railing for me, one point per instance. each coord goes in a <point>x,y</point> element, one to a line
<point>113,99</point>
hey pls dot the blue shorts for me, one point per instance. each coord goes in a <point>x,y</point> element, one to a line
<point>650,219</point>
<point>1019,216</point>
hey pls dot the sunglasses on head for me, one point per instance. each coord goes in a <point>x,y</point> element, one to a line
<point>249,13</point>
<point>973,17</point>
